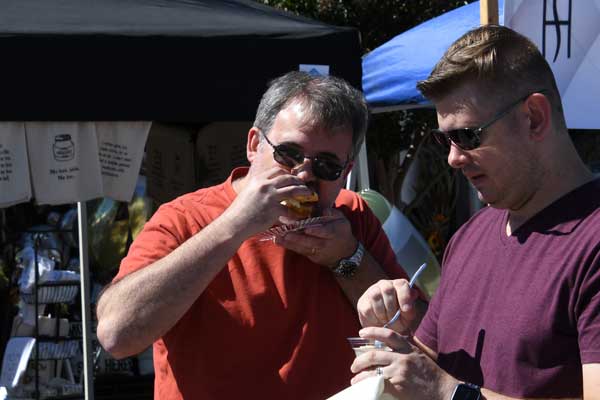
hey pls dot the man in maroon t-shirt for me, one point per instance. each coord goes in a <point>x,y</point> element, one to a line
<point>517,313</point>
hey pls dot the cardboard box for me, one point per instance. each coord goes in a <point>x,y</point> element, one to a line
<point>170,164</point>
<point>220,147</point>
<point>182,158</point>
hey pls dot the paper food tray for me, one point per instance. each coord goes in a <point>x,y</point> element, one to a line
<point>282,230</point>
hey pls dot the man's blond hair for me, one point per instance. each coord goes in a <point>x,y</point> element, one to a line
<point>502,63</point>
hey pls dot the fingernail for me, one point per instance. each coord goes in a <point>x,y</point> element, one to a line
<point>406,307</point>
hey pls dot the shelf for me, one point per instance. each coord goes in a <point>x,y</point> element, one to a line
<point>51,293</point>
<point>59,350</point>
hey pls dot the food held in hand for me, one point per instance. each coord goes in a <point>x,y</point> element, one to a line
<point>369,347</point>
<point>303,206</point>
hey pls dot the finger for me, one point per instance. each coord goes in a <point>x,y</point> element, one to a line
<point>290,183</point>
<point>389,303</point>
<point>300,243</point>
<point>378,304</point>
<point>275,171</point>
<point>360,376</point>
<point>390,298</point>
<point>299,240</point>
<point>328,228</point>
<point>405,295</point>
<point>281,177</point>
<point>372,359</point>
<point>383,300</point>
<point>366,312</point>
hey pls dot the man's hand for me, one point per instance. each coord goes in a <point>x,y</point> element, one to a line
<point>257,206</point>
<point>408,372</point>
<point>324,244</point>
<point>380,302</point>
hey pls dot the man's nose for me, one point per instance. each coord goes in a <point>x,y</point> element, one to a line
<point>457,157</point>
<point>304,170</point>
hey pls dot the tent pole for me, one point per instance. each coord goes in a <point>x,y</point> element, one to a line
<point>88,368</point>
<point>363,171</point>
<point>358,178</point>
<point>488,12</point>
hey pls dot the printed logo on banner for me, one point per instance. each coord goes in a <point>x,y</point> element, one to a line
<point>555,23</point>
<point>567,33</point>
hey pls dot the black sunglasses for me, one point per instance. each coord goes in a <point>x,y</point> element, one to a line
<point>322,167</point>
<point>470,138</point>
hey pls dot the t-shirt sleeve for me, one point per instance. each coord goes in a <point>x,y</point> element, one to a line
<point>168,228</point>
<point>588,321</point>
<point>427,330</point>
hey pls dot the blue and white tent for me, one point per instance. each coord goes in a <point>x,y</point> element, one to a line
<point>390,76</point>
<point>391,71</point>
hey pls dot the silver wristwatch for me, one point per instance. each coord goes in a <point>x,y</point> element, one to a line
<point>346,267</point>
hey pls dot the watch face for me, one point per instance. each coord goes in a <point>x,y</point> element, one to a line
<point>346,268</point>
<point>465,392</point>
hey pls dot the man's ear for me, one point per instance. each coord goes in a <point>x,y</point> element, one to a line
<point>252,143</point>
<point>539,112</point>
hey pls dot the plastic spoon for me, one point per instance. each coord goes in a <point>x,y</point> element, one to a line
<point>410,285</point>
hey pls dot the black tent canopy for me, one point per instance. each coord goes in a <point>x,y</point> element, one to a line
<point>169,60</point>
<point>183,61</point>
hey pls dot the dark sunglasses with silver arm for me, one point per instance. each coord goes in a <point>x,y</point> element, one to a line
<point>323,166</point>
<point>470,138</point>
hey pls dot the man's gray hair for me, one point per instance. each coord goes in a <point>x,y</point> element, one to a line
<point>332,103</point>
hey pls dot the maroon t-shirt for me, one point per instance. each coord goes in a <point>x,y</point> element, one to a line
<point>520,314</point>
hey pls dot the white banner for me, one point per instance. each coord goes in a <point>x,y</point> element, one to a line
<point>67,162</point>
<point>567,32</point>
<point>121,156</point>
<point>14,363</point>
<point>15,186</point>
<point>64,161</point>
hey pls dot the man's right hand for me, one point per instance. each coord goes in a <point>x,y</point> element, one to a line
<point>146,304</point>
<point>257,206</point>
<point>380,302</point>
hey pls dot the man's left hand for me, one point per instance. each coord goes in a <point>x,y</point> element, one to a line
<point>408,372</point>
<point>323,244</point>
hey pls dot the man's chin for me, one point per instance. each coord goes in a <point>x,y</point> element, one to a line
<point>486,198</point>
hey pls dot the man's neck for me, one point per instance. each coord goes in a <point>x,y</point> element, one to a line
<point>556,186</point>
<point>238,184</point>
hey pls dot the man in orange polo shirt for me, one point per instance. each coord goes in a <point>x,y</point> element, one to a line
<point>232,316</point>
